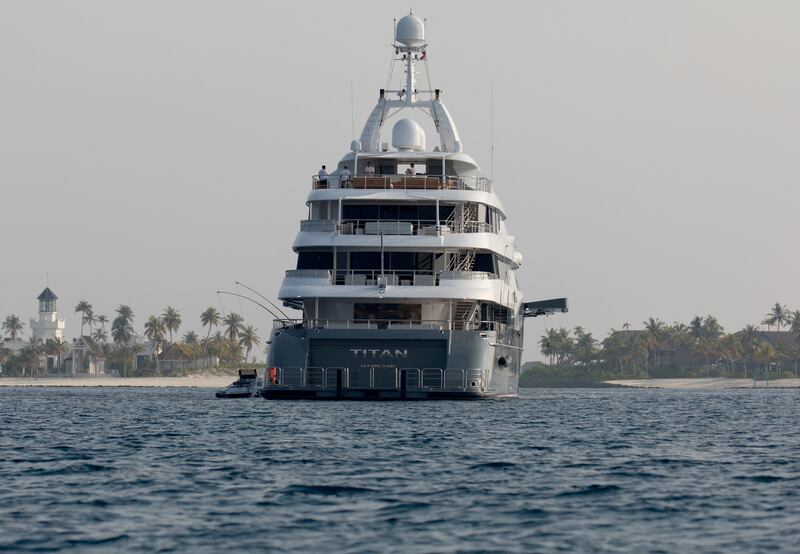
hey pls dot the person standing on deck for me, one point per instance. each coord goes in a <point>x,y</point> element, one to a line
<point>344,177</point>
<point>322,178</point>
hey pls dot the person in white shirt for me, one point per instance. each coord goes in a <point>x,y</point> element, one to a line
<point>323,177</point>
<point>410,170</point>
<point>369,171</point>
<point>344,176</point>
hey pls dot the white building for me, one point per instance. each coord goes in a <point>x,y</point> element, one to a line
<point>48,325</point>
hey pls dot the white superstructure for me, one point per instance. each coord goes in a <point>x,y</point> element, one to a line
<point>406,272</point>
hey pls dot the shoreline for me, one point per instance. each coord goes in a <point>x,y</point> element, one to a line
<point>710,383</point>
<point>189,381</point>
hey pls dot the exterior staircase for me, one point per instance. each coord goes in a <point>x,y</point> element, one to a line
<point>464,313</point>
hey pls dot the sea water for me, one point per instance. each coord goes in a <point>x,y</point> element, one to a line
<point>135,469</point>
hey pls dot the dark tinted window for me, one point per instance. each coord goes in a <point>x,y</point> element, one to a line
<point>315,260</point>
<point>388,213</point>
<point>427,213</point>
<point>351,212</point>
<point>365,260</point>
<point>484,262</point>
<point>409,212</point>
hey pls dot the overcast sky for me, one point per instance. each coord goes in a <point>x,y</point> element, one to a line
<point>647,153</point>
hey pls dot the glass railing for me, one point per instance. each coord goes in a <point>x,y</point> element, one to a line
<point>402,182</point>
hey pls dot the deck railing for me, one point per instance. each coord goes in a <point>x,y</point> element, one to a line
<point>396,324</point>
<point>389,277</point>
<point>380,378</point>
<point>403,182</point>
<point>422,227</point>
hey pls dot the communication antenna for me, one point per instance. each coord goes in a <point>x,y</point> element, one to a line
<point>491,132</point>
<point>352,114</point>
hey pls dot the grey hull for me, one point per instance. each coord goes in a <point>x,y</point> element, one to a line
<point>392,364</point>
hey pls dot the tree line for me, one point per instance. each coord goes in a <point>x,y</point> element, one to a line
<point>232,342</point>
<point>699,348</point>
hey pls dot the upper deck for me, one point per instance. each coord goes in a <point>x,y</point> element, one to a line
<point>402,182</point>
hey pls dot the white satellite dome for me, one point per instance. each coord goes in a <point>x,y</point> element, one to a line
<point>408,135</point>
<point>410,31</point>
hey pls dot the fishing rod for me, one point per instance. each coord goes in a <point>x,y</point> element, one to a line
<point>271,303</point>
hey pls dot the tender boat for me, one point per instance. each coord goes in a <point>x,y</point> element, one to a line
<point>245,386</point>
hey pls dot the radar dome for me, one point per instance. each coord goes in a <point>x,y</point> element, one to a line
<point>408,135</point>
<point>410,31</point>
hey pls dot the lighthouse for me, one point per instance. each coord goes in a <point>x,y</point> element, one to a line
<point>48,325</point>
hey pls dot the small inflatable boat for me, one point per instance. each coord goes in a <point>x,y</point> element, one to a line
<point>245,386</point>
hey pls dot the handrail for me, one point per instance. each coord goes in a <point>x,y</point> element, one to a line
<point>429,378</point>
<point>434,324</point>
<point>403,182</point>
<point>397,277</point>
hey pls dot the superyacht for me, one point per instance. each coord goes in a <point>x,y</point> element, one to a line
<point>406,272</point>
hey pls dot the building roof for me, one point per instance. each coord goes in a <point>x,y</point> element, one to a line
<point>47,294</point>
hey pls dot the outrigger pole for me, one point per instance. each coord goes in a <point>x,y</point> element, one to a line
<point>273,314</point>
<point>271,303</point>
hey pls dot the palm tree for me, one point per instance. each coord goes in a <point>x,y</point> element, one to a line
<point>154,329</point>
<point>626,326</point>
<point>211,318</point>
<point>122,327</point>
<point>233,325</point>
<point>171,318</point>
<point>585,346</point>
<point>31,355</point>
<point>777,316</point>
<point>89,319</point>
<point>655,335</point>
<point>5,355</point>
<point>83,307</point>
<point>100,336</point>
<point>795,320</point>
<point>249,339</point>
<point>56,347</point>
<point>102,320</point>
<point>13,325</point>
<point>190,338</point>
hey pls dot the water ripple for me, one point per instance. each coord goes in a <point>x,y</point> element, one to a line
<point>145,470</point>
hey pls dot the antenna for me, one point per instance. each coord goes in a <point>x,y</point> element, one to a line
<point>491,133</point>
<point>352,114</point>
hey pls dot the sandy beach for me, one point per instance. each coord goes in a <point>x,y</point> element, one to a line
<point>711,383</point>
<point>202,381</point>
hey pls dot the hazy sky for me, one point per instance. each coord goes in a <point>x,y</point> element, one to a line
<point>647,153</point>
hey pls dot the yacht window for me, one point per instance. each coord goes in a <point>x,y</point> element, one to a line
<point>434,167</point>
<point>388,213</point>
<point>406,312</point>
<point>315,260</point>
<point>408,212</point>
<point>428,213</point>
<point>392,261</point>
<point>484,262</point>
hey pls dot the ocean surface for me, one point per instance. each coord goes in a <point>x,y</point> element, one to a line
<point>177,470</point>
